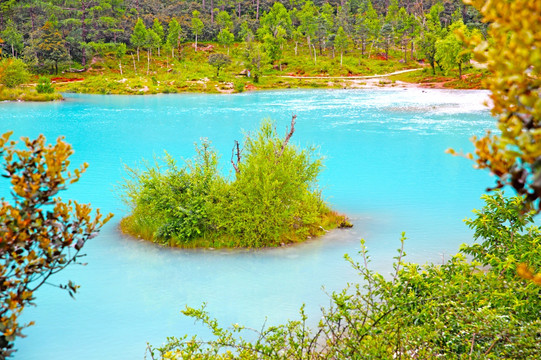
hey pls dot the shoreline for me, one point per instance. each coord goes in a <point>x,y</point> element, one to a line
<point>376,81</point>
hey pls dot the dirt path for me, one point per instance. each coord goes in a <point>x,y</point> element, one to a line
<point>350,77</point>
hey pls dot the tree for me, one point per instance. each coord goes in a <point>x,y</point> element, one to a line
<point>120,51</point>
<point>341,42</point>
<point>41,234</point>
<point>451,51</point>
<point>51,46</point>
<point>223,20</point>
<point>226,38</point>
<point>324,26</point>
<point>13,38</point>
<point>367,24</point>
<point>430,34</point>
<point>158,30</point>
<point>307,17</point>
<point>219,60</point>
<point>174,36</point>
<point>277,18</point>
<point>197,26</point>
<point>152,42</point>
<point>13,72</point>
<point>139,35</point>
<point>273,45</point>
<point>245,33</point>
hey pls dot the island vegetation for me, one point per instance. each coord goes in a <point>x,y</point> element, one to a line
<point>150,46</point>
<point>273,199</point>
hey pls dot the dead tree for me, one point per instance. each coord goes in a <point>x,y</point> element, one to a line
<point>235,165</point>
<point>289,134</point>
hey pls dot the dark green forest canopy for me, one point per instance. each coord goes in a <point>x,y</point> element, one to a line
<point>82,22</point>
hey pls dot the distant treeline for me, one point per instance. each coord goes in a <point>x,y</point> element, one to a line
<point>44,33</point>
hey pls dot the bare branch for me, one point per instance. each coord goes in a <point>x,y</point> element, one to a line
<point>235,165</point>
<point>288,135</point>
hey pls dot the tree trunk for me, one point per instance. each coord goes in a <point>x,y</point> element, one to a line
<point>56,67</point>
<point>134,68</point>
<point>83,33</point>
<point>340,58</point>
<point>195,41</point>
<point>411,51</point>
<point>138,53</point>
<point>460,71</point>
<point>33,20</point>
<point>120,66</point>
<point>257,10</point>
<point>148,61</point>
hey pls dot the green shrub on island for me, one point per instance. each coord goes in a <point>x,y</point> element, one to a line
<point>273,199</point>
<point>457,310</point>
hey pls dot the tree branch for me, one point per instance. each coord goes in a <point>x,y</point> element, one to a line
<point>288,135</point>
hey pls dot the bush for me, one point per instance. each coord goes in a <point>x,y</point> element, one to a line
<point>274,196</point>
<point>168,201</point>
<point>458,310</point>
<point>44,86</point>
<point>272,200</point>
<point>13,72</point>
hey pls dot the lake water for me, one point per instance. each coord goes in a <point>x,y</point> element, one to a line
<point>385,167</point>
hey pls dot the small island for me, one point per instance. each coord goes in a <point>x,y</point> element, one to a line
<point>273,199</point>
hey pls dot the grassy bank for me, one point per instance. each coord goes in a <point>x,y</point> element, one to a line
<point>325,222</point>
<point>26,94</point>
<point>189,71</point>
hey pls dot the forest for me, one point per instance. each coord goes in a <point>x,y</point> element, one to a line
<point>191,40</point>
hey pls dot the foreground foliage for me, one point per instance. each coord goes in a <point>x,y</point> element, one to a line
<point>40,234</point>
<point>458,310</point>
<point>272,200</point>
<point>514,59</point>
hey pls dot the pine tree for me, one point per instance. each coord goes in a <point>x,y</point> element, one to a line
<point>51,45</point>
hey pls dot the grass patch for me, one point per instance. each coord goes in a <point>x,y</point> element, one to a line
<point>26,94</point>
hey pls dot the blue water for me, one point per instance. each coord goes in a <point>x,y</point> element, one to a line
<point>385,167</point>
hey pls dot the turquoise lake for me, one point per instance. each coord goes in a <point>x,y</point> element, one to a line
<point>385,167</point>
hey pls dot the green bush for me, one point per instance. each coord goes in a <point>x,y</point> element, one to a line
<point>44,86</point>
<point>272,200</point>
<point>13,72</point>
<point>458,310</point>
<point>168,201</point>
